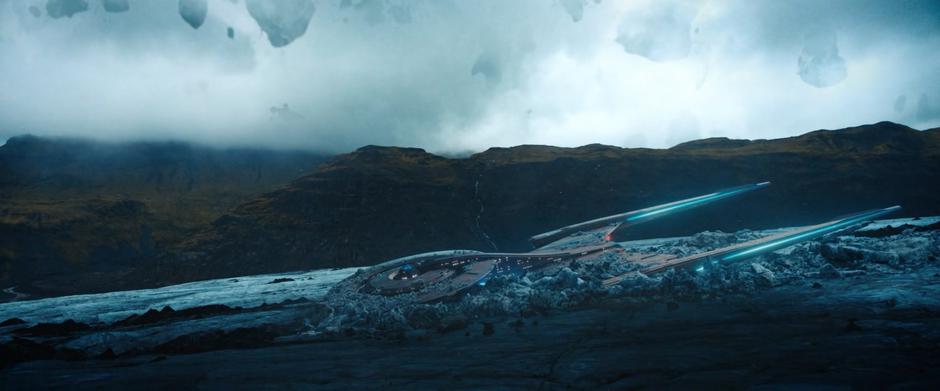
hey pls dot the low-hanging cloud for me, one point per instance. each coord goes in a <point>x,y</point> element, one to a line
<point>452,75</point>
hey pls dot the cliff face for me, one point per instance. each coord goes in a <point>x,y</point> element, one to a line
<point>378,203</point>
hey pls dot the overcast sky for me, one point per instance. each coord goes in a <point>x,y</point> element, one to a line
<point>463,75</point>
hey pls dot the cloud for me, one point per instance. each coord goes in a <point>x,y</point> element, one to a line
<point>455,76</point>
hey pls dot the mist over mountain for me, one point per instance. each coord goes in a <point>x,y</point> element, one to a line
<point>77,215</point>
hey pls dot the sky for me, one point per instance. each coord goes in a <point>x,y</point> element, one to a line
<point>456,76</point>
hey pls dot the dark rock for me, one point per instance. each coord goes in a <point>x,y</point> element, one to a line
<point>829,271</point>
<point>488,329</point>
<point>230,32</point>
<point>817,285</point>
<point>168,313</point>
<point>107,355</point>
<point>22,350</point>
<point>54,329</point>
<point>851,325</point>
<point>12,321</point>
<point>452,323</point>
<point>280,280</point>
<point>839,253</point>
<point>222,339</point>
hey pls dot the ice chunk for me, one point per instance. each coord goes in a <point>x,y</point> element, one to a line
<point>820,64</point>
<point>574,8</point>
<point>766,276</point>
<point>285,113</point>
<point>194,12</point>
<point>59,8</point>
<point>282,21</point>
<point>487,65</point>
<point>660,33</point>
<point>115,5</point>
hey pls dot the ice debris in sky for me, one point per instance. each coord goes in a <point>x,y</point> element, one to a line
<point>194,12</point>
<point>115,5</point>
<point>660,33</point>
<point>574,8</point>
<point>59,8</point>
<point>820,64</point>
<point>487,64</point>
<point>282,21</point>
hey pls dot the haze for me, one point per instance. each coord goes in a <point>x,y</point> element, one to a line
<point>455,76</point>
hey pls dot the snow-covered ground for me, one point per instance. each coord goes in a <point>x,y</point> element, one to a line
<point>248,291</point>
<point>849,254</point>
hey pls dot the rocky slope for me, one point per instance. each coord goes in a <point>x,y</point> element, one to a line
<point>79,216</point>
<point>378,203</point>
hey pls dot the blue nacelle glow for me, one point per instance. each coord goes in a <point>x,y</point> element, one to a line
<point>822,230</point>
<point>691,202</point>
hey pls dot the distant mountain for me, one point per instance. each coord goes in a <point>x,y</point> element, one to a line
<point>381,202</point>
<point>77,215</point>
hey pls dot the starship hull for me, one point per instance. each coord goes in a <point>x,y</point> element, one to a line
<point>441,275</point>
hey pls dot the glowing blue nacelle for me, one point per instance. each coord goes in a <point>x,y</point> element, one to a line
<point>808,233</point>
<point>641,215</point>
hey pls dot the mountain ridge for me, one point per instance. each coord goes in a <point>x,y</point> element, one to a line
<point>377,203</point>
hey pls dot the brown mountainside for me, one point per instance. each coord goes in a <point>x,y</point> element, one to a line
<point>379,202</point>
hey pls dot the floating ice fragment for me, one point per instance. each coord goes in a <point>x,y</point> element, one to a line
<point>285,113</point>
<point>487,65</point>
<point>59,8</point>
<point>194,12</point>
<point>820,64</point>
<point>282,21</point>
<point>115,5</point>
<point>660,33</point>
<point>574,8</point>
